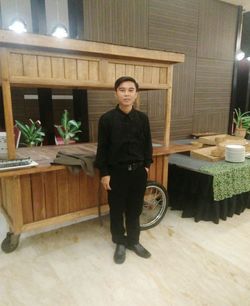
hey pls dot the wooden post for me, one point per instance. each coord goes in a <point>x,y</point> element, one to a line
<point>167,122</point>
<point>7,103</point>
<point>168,106</point>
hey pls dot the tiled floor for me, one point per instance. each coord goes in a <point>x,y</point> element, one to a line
<point>192,264</point>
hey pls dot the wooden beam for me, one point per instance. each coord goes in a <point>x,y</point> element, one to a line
<point>21,81</point>
<point>74,216</point>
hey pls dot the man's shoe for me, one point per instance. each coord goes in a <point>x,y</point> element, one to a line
<point>120,254</point>
<point>139,250</point>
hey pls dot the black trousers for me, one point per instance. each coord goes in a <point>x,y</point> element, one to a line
<point>126,202</point>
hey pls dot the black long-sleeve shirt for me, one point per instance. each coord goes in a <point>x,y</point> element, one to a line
<point>123,138</point>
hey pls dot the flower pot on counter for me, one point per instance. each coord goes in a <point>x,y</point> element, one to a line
<point>240,132</point>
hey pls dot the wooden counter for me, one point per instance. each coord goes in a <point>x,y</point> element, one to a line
<point>48,194</point>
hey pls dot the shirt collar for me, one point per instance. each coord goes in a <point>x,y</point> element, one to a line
<point>130,114</point>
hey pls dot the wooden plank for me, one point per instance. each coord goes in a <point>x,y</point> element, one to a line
<point>93,211</point>
<point>16,64</point>
<point>103,68</point>
<point>159,168</point>
<point>165,172</point>
<point>70,69</point>
<point>62,192</point>
<point>57,68</point>
<point>93,197</point>
<point>38,196</point>
<point>155,75</point>
<point>163,76</point>
<point>50,188</point>
<point>139,74</point>
<point>13,201</point>
<point>111,77</point>
<point>27,206</point>
<point>152,170</point>
<point>6,199</point>
<point>59,83</point>
<point>94,71</point>
<point>84,190</point>
<point>147,75</point>
<point>130,70</point>
<point>44,66</point>
<point>82,70</point>
<point>30,66</point>
<point>120,70</point>
<point>74,194</point>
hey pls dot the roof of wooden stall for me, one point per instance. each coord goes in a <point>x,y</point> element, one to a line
<point>10,39</point>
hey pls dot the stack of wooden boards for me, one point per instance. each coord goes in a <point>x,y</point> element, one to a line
<point>212,148</point>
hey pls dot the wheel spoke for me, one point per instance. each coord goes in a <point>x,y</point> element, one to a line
<point>155,205</point>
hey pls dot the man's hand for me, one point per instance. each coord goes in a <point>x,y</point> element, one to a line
<point>105,182</point>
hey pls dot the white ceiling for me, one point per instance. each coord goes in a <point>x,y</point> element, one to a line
<point>244,3</point>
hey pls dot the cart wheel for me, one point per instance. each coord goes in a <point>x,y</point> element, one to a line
<point>155,205</point>
<point>10,243</point>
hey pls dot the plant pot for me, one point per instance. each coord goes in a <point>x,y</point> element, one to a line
<point>240,132</point>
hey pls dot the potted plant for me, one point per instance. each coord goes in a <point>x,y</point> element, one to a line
<point>32,133</point>
<point>242,123</point>
<point>68,128</point>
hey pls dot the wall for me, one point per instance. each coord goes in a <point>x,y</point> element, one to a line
<point>204,30</point>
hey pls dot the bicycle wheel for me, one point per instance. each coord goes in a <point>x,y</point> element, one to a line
<point>155,205</point>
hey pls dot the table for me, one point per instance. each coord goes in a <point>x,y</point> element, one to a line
<point>194,187</point>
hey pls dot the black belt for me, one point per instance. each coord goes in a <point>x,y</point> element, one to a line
<point>130,166</point>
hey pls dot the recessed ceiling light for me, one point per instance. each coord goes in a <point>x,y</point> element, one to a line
<point>18,26</point>
<point>60,31</point>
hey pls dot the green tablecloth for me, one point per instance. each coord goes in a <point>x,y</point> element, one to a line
<point>229,178</point>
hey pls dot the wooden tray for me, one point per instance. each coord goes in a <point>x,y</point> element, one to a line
<point>205,154</point>
<point>210,140</point>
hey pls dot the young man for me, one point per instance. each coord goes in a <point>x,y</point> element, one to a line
<point>124,155</point>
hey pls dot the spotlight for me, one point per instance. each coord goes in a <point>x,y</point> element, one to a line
<point>18,26</point>
<point>60,31</point>
<point>240,55</point>
<point>248,58</point>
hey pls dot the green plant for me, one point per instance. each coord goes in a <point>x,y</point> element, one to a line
<point>242,120</point>
<point>68,128</point>
<point>32,133</point>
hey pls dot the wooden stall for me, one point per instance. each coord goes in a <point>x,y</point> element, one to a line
<point>50,194</point>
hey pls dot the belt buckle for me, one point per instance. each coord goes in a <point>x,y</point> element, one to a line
<point>130,167</point>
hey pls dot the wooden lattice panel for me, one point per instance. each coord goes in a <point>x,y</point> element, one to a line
<point>47,67</point>
<point>147,75</point>
<point>42,68</point>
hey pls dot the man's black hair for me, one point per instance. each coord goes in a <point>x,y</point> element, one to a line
<point>126,79</point>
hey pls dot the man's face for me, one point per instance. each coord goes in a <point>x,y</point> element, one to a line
<point>126,94</point>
